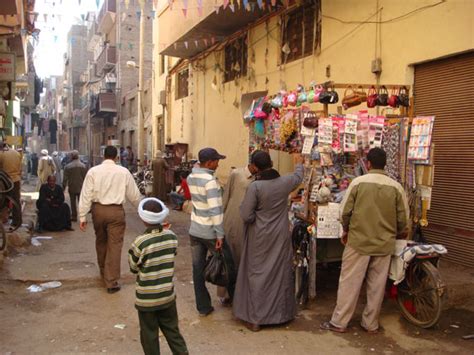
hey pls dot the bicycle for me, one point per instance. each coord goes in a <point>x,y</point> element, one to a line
<point>8,207</point>
<point>301,249</point>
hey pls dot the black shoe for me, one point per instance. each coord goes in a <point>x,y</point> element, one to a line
<point>73,219</point>
<point>205,314</point>
<point>70,229</point>
<point>113,289</point>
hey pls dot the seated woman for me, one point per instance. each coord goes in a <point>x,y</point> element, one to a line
<point>53,213</point>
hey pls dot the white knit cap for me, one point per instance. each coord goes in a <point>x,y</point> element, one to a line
<point>44,151</point>
<point>152,217</point>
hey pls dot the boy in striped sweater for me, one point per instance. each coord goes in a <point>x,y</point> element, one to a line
<point>151,257</point>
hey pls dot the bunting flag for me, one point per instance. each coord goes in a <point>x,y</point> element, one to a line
<point>153,13</point>
<point>170,4</point>
<point>186,44</point>
<point>45,16</point>
<point>246,5</point>
<point>252,6</point>
<point>139,14</point>
<point>205,42</point>
<point>83,17</point>
<point>155,3</point>
<point>175,45</point>
<point>232,7</point>
<point>199,2</point>
<point>213,40</point>
<point>97,3</point>
<point>260,3</point>
<point>185,12</point>
<point>36,16</point>
<point>196,43</point>
<point>55,38</point>
<point>32,17</point>
<point>217,8</point>
<point>225,4</point>
<point>274,2</point>
<point>59,18</point>
<point>127,3</point>
<point>79,2</point>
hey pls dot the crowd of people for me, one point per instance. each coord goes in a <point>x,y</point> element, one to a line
<point>246,222</point>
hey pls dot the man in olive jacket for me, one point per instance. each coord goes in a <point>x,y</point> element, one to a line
<point>74,175</point>
<point>374,213</point>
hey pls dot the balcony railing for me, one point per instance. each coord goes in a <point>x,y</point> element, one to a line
<point>103,105</point>
<point>106,17</point>
<point>106,60</point>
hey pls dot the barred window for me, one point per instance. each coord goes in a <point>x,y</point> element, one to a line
<point>301,31</point>
<point>235,59</point>
<point>182,84</point>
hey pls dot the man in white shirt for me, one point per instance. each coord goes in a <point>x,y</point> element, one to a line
<point>105,189</point>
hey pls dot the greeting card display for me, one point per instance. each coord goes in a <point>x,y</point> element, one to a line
<point>420,139</point>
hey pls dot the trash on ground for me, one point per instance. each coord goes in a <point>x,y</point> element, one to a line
<point>120,326</point>
<point>35,242</point>
<point>454,326</point>
<point>44,286</point>
<point>43,237</point>
<point>468,337</point>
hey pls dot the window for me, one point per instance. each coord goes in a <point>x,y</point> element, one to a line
<point>301,30</point>
<point>132,107</point>
<point>182,84</point>
<point>235,59</point>
<point>162,64</point>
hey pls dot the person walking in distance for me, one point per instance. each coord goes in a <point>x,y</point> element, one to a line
<point>374,213</point>
<point>46,168</point>
<point>106,187</point>
<point>10,163</point>
<point>207,230</point>
<point>74,175</point>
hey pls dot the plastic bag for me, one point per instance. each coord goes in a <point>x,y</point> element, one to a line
<point>216,271</point>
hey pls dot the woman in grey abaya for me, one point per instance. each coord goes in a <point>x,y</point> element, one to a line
<point>265,292</point>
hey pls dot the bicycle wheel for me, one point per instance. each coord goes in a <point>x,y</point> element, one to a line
<point>12,206</point>
<point>420,295</point>
<point>3,237</point>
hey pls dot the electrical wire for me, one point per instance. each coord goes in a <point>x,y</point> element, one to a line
<point>393,19</point>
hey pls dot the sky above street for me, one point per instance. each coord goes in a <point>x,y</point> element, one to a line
<point>52,44</point>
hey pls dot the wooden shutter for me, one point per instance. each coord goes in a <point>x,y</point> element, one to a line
<point>445,88</point>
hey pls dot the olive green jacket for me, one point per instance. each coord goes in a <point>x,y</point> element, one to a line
<point>374,211</point>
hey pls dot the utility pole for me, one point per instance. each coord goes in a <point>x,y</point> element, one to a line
<point>141,60</point>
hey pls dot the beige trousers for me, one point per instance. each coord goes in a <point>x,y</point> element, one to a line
<point>356,268</point>
<point>109,226</point>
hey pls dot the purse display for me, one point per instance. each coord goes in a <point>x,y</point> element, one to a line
<point>329,96</point>
<point>403,98</point>
<point>351,98</point>
<point>393,100</point>
<point>310,119</point>
<point>362,94</point>
<point>382,97</point>
<point>372,97</point>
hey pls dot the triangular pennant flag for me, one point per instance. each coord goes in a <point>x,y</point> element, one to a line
<point>36,16</point>
<point>217,8</point>
<point>232,7</point>
<point>185,4</point>
<point>55,38</point>
<point>252,6</point>
<point>83,17</point>
<point>213,40</point>
<point>185,12</point>
<point>260,3</point>
<point>170,4</point>
<point>155,3</point>
<point>79,2</point>
<point>274,2</point>
<point>225,4</point>
<point>45,17</point>
<point>139,14</point>
<point>59,17</point>
<point>175,45</point>
<point>32,18</point>
<point>205,42</point>
<point>186,44</point>
<point>246,5</point>
<point>196,43</point>
<point>238,4</point>
<point>97,3</point>
<point>153,12</point>
<point>127,3</point>
<point>199,2</point>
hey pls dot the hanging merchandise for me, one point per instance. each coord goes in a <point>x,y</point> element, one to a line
<point>372,97</point>
<point>375,131</point>
<point>351,98</point>
<point>325,131</point>
<point>403,97</point>
<point>329,96</point>
<point>420,139</point>
<point>382,96</point>
<point>350,134</point>
<point>393,100</point>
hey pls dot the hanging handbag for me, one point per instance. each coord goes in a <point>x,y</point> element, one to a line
<point>382,98</point>
<point>310,95</point>
<point>403,98</point>
<point>258,111</point>
<point>310,119</point>
<point>317,92</point>
<point>267,107</point>
<point>372,97</point>
<point>393,100</point>
<point>361,92</point>
<point>329,96</point>
<point>292,98</point>
<point>351,98</point>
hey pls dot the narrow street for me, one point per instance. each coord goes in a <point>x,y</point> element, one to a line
<point>81,317</point>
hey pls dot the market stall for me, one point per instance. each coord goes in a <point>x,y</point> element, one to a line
<point>335,148</point>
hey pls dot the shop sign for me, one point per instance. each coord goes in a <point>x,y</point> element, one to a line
<point>7,66</point>
<point>14,140</point>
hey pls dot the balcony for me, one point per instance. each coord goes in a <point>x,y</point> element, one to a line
<point>103,105</point>
<point>106,18</point>
<point>93,37</point>
<point>175,30</point>
<point>106,60</point>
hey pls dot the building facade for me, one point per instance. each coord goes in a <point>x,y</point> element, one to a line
<point>222,55</point>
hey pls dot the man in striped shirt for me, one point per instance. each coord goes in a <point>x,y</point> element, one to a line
<point>207,229</point>
<point>151,257</point>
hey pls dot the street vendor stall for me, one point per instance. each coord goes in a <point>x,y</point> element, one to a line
<point>335,148</point>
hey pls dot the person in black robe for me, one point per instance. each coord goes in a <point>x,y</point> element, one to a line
<point>53,213</point>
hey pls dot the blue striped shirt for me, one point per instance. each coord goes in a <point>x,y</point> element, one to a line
<point>208,214</point>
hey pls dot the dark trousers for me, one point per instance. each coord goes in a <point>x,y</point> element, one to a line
<point>74,198</point>
<point>166,320</point>
<point>199,249</point>
<point>109,226</point>
<point>15,194</point>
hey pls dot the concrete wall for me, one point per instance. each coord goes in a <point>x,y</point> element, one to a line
<point>208,117</point>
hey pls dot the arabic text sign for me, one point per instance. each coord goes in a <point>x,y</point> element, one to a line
<point>7,67</point>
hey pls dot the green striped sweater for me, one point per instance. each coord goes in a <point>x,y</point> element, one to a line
<point>151,257</point>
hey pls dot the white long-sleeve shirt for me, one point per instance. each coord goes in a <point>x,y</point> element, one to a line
<point>107,184</point>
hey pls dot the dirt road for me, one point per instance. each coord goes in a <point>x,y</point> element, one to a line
<point>80,316</point>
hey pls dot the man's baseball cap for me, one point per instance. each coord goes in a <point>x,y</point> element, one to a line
<point>208,154</point>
